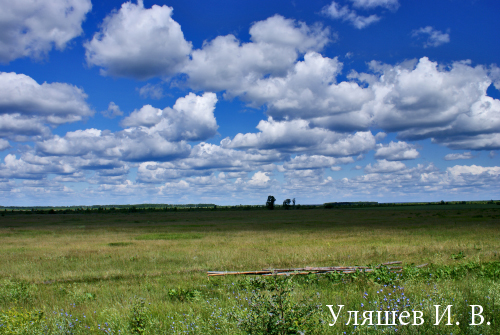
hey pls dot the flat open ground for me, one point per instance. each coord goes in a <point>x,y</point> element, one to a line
<point>99,264</point>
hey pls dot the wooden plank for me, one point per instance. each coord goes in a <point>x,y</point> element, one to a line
<point>217,273</point>
<point>308,270</point>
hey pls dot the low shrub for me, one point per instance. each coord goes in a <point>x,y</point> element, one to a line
<point>272,309</point>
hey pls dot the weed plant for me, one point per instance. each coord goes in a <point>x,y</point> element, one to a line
<point>271,310</point>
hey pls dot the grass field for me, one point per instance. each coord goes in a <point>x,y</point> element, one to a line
<point>145,272</point>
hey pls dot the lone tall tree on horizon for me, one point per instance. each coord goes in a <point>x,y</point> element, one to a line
<point>270,202</point>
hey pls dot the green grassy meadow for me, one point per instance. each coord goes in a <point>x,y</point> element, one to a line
<point>145,272</point>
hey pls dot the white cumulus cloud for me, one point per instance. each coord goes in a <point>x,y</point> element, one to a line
<point>392,179</point>
<point>260,179</point>
<point>22,128</point>
<point>112,111</point>
<point>467,175</point>
<point>133,145</point>
<point>369,4</point>
<point>27,107</point>
<point>225,63</point>
<point>151,91</point>
<point>139,42</point>
<point>278,30</point>
<point>303,162</point>
<point>435,37</point>
<point>191,118</point>
<point>495,75</point>
<point>335,11</point>
<point>4,144</point>
<point>297,136</point>
<point>31,28</point>
<point>310,91</point>
<point>385,166</point>
<point>396,151</point>
<point>152,134</point>
<point>205,159</point>
<point>449,105</point>
<point>465,155</point>
<point>56,103</point>
<point>18,168</point>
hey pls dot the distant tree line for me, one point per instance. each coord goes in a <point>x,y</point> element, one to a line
<point>270,204</point>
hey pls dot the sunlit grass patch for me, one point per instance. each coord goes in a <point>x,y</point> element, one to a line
<point>170,236</point>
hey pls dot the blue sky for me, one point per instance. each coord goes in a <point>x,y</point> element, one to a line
<point>228,102</point>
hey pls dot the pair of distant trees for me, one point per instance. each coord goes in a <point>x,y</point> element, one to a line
<point>286,203</point>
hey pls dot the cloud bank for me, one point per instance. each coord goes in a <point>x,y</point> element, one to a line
<point>321,121</point>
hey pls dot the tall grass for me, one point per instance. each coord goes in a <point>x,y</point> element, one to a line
<point>107,270</point>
